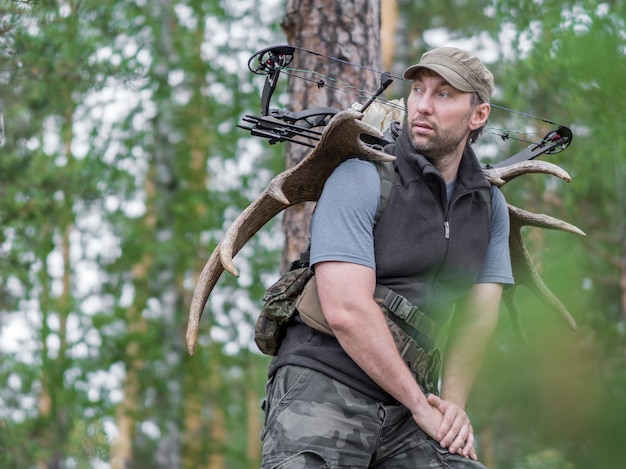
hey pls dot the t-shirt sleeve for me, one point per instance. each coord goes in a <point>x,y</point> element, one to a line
<point>497,265</point>
<point>342,223</point>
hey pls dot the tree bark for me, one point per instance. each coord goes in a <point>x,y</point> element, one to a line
<point>349,31</point>
<point>388,28</point>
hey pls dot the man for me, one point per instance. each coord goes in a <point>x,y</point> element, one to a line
<point>349,399</point>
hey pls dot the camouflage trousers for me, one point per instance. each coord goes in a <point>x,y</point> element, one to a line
<point>313,421</point>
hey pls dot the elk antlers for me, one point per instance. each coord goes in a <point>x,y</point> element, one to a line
<point>302,183</point>
<point>341,140</point>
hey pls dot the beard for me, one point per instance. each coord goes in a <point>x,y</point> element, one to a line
<point>444,141</point>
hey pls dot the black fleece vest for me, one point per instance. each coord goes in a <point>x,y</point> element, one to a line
<point>413,257</point>
<point>428,249</point>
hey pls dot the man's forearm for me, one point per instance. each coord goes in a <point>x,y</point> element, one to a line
<point>370,344</point>
<point>462,362</point>
<point>362,331</point>
<point>471,330</point>
<point>346,296</point>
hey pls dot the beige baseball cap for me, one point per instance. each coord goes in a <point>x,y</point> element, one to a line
<point>457,67</point>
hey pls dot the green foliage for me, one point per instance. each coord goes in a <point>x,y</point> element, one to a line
<point>17,448</point>
<point>120,117</point>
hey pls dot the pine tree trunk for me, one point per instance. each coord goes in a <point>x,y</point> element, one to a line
<point>388,29</point>
<point>50,408</point>
<point>349,31</point>
<point>254,425</point>
<point>218,437</point>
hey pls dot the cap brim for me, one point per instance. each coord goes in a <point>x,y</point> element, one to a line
<point>447,74</point>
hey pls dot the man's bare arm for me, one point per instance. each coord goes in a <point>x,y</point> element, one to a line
<point>472,326</point>
<point>346,295</point>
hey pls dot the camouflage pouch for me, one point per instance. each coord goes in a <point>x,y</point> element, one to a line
<point>279,306</point>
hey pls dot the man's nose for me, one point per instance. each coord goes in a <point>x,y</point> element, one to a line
<point>425,104</point>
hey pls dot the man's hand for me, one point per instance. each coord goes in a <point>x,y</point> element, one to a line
<point>455,431</point>
<point>429,418</point>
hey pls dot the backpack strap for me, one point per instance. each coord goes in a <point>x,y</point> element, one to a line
<point>387,174</point>
<point>420,327</point>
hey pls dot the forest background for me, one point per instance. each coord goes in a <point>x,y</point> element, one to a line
<point>121,165</point>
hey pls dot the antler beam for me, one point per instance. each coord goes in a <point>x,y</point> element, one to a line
<point>304,182</point>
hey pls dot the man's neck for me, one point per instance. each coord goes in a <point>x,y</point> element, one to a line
<point>448,165</point>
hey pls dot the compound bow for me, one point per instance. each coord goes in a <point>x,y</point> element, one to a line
<point>279,125</point>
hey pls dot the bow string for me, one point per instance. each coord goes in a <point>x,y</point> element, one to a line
<point>303,127</point>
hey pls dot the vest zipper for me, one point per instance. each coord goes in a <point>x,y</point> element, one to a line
<point>446,235</point>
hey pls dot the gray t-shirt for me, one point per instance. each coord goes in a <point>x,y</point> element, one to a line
<point>342,225</point>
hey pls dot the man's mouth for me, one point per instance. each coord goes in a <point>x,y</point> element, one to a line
<point>422,127</point>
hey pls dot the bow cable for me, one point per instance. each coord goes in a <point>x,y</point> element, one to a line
<point>278,125</point>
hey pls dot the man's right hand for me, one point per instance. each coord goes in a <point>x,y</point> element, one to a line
<point>455,431</point>
<point>429,419</point>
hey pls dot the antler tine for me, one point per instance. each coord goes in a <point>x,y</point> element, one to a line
<point>540,220</point>
<point>500,176</point>
<point>206,281</point>
<point>304,182</point>
<point>524,268</point>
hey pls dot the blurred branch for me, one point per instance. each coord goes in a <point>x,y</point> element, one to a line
<point>603,254</point>
<point>1,123</point>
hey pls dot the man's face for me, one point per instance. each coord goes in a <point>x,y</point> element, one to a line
<point>439,116</point>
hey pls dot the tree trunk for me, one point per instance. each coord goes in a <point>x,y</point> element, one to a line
<point>388,28</point>
<point>254,425</point>
<point>122,446</point>
<point>349,31</point>
<point>198,380</point>
<point>218,436</point>
<point>126,412</point>
<point>50,406</point>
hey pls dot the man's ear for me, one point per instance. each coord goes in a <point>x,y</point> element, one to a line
<point>480,115</point>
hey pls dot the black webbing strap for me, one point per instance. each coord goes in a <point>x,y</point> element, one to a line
<point>414,322</point>
<point>386,173</point>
